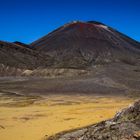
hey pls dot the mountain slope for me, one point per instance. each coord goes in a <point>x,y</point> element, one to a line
<point>85,44</point>
<point>15,55</point>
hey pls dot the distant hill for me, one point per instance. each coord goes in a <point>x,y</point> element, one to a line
<point>16,55</point>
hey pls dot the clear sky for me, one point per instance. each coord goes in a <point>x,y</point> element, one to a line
<point>28,20</point>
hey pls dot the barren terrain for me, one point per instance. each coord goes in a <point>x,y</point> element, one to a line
<point>32,110</point>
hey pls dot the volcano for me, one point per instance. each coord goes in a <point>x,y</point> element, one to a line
<point>85,44</point>
<point>76,45</point>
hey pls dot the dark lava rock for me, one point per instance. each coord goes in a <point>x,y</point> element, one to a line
<point>124,126</point>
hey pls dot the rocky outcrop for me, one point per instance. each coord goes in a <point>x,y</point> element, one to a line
<point>124,126</point>
<point>52,73</point>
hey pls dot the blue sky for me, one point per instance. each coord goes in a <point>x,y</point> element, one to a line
<point>28,20</point>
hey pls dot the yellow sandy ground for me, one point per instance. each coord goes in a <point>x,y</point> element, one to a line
<point>56,114</point>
